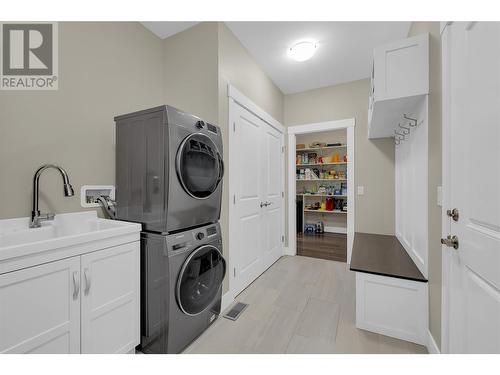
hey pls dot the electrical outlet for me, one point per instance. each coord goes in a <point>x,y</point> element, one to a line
<point>361,190</point>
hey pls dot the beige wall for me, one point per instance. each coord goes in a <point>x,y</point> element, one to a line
<point>374,158</point>
<point>105,69</point>
<point>238,68</point>
<point>190,80</point>
<point>434,173</point>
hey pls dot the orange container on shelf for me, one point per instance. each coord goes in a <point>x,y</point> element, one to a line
<point>335,158</point>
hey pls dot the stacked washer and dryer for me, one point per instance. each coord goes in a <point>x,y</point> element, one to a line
<point>169,173</point>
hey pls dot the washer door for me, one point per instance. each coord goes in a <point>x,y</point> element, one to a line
<point>200,279</point>
<point>199,166</point>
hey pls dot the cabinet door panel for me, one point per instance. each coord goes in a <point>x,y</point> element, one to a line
<point>40,309</point>
<point>110,300</point>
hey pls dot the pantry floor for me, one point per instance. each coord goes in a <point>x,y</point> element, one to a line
<point>330,246</point>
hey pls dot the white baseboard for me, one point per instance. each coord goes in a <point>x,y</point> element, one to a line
<point>432,347</point>
<point>341,230</point>
<point>227,300</point>
<point>288,251</point>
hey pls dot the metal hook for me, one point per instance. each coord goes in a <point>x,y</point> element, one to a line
<point>405,129</point>
<point>401,135</point>
<point>410,119</point>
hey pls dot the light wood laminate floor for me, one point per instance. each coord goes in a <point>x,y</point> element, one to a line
<point>299,305</point>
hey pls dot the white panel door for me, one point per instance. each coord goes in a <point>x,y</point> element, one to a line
<point>257,180</point>
<point>110,300</point>
<point>40,309</point>
<point>272,222</point>
<point>472,116</point>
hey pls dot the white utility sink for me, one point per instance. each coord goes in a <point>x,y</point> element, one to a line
<point>17,239</point>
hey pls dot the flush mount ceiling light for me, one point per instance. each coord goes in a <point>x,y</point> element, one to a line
<point>302,51</point>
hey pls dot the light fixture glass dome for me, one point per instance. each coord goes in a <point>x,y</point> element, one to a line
<point>302,51</point>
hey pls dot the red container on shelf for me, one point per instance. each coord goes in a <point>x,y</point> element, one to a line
<point>329,204</point>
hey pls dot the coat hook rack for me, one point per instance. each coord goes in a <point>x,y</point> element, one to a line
<point>402,136</point>
<point>405,129</point>
<point>413,121</point>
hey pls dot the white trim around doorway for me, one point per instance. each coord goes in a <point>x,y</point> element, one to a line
<point>293,131</point>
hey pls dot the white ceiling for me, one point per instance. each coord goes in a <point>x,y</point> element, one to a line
<point>164,29</point>
<point>344,53</point>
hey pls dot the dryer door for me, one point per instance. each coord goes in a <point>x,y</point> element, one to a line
<point>199,165</point>
<point>200,279</point>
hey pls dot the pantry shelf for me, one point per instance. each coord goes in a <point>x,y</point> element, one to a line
<point>320,148</point>
<point>323,195</point>
<point>315,164</point>
<point>326,212</point>
<point>324,179</point>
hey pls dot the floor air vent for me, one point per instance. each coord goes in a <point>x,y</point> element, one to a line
<point>236,311</point>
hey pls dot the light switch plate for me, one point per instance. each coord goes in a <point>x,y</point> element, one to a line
<point>361,190</point>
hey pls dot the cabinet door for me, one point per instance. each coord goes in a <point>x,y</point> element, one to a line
<point>40,309</point>
<point>110,300</point>
<point>402,68</point>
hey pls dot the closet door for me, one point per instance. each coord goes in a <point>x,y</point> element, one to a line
<point>272,222</point>
<point>247,249</point>
<point>258,220</point>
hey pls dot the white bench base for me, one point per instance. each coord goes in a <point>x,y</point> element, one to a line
<point>393,307</point>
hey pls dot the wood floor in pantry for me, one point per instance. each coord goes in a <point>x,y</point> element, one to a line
<point>299,305</point>
<point>331,246</point>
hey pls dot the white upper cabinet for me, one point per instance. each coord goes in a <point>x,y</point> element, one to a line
<point>400,77</point>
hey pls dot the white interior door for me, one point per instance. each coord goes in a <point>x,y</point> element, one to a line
<point>272,195</point>
<point>471,67</point>
<point>257,176</point>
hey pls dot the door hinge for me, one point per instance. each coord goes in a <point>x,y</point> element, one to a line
<point>282,149</point>
<point>453,214</point>
<point>234,126</point>
<point>234,272</point>
<point>283,239</point>
<point>282,194</point>
<point>234,199</point>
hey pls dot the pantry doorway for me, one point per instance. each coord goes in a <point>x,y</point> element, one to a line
<point>321,190</point>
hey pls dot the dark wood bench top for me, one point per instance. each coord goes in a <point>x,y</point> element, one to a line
<point>383,255</point>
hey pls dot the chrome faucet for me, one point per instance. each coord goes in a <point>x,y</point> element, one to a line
<point>36,217</point>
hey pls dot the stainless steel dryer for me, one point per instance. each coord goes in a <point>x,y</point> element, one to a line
<point>168,170</point>
<point>181,287</point>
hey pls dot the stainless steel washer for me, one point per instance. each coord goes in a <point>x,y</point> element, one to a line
<point>182,287</point>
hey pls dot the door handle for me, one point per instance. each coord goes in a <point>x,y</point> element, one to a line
<point>262,204</point>
<point>450,241</point>
<point>76,284</point>
<point>88,280</point>
<point>265,204</point>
